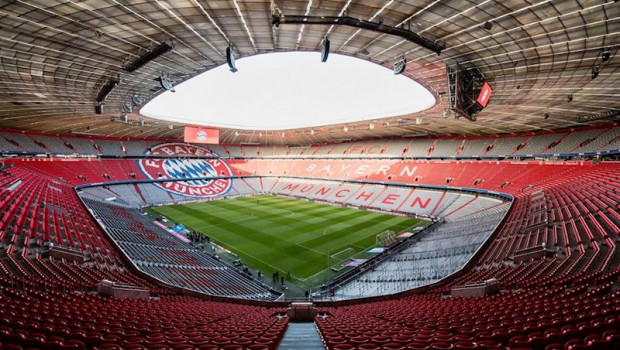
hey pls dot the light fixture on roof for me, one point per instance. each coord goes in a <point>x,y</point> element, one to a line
<point>230,59</point>
<point>345,129</point>
<point>418,121</point>
<point>371,125</point>
<point>127,107</point>
<point>170,127</point>
<point>148,56</point>
<point>236,133</point>
<point>137,100</point>
<point>447,112</point>
<point>165,82</point>
<point>606,54</point>
<point>594,72</point>
<point>604,115</point>
<point>275,20</point>
<point>107,88</point>
<point>468,91</point>
<point>311,131</point>
<point>400,66</point>
<point>325,50</point>
<point>380,23</point>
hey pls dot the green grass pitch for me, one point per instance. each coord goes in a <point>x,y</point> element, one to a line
<point>272,233</point>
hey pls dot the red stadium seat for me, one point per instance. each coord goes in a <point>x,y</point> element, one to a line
<point>344,346</point>
<point>416,346</point>
<point>12,347</point>
<point>208,347</point>
<point>108,346</point>
<point>441,346</point>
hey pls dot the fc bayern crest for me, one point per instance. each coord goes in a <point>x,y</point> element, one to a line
<point>179,168</point>
<point>201,135</point>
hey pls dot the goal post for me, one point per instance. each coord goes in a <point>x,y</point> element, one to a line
<point>386,238</point>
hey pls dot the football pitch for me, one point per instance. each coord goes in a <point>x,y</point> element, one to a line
<point>273,233</point>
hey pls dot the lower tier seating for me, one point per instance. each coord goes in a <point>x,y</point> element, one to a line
<point>45,319</point>
<point>159,254</point>
<point>440,251</point>
<point>552,317</point>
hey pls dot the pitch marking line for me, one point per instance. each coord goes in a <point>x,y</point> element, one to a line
<point>303,246</point>
<point>266,263</point>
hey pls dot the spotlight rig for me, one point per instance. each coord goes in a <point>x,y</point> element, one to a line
<point>278,19</point>
<point>147,57</point>
<point>468,91</point>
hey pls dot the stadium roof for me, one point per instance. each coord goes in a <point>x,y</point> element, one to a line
<point>56,55</point>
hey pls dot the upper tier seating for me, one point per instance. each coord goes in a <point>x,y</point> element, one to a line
<point>136,148</point>
<point>446,146</point>
<point>609,139</point>
<point>81,145</point>
<point>595,139</point>
<point>110,147</point>
<point>82,172</point>
<point>19,142</point>
<point>53,144</point>
<point>574,142</point>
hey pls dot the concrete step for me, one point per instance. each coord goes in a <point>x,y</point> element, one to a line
<point>301,336</point>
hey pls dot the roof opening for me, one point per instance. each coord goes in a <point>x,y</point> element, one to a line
<point>279,91</point>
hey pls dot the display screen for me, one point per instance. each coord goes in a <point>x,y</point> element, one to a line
<point>194,134</point>
<point>485,95</point>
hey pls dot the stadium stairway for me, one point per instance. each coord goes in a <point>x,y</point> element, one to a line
<point>301,336</point>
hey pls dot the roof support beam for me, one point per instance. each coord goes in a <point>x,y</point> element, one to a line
<point>278,19</point>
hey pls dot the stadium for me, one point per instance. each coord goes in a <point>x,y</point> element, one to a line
<point>309,174</point>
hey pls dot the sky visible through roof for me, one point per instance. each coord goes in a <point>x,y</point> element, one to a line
<point>280,91</point>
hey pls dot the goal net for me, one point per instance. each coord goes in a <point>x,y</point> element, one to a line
<point>386,238</point>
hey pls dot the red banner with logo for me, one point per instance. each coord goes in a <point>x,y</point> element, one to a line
<point>194,134</point>
<point>485,95</point>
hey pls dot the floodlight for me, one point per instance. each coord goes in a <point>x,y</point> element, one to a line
<point>230,59</point>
